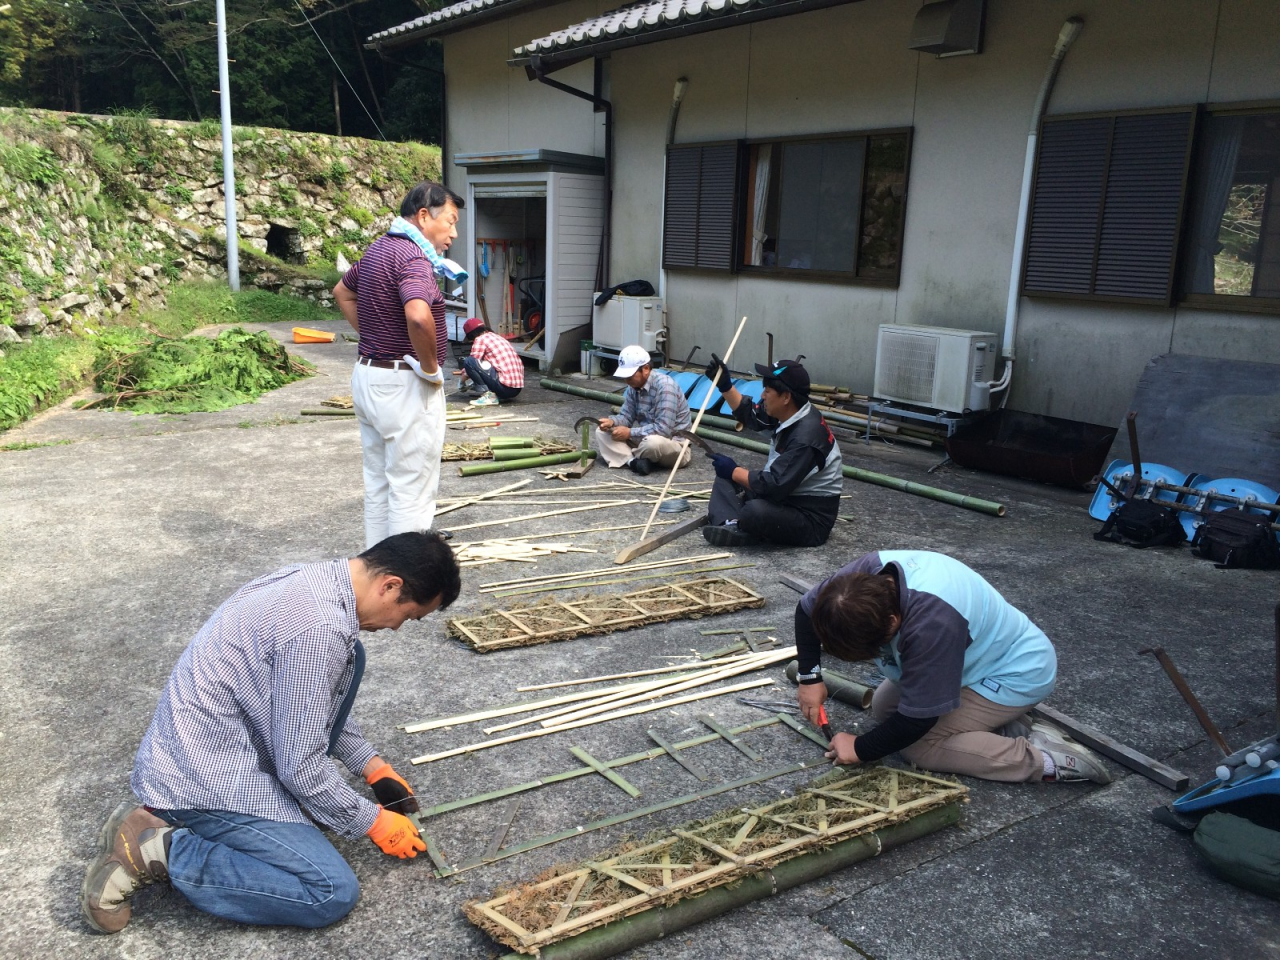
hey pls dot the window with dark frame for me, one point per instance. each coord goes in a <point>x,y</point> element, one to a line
<point>827,207</point>
<point>1231,246</point>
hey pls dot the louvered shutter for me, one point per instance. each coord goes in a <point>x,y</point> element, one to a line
<point>1105,214</point>
<point>698,226</point>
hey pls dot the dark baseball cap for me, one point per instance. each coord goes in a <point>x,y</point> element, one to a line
<point>787,375</point>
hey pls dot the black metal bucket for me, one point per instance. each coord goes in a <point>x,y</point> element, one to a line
<point>1067,453</point>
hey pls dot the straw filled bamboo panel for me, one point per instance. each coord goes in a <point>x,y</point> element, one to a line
<point>544,620</point>
<point>722,849</point>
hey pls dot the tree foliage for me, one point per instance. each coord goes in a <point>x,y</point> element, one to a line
<point>104,56</point>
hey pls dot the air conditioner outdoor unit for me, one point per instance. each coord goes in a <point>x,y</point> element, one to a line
<point>627,320</point>
<point>935,367</point>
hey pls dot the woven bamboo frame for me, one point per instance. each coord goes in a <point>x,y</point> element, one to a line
<point>712,853</point>
<point>543,622</point>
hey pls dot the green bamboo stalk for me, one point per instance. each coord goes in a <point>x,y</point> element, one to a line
<point>607,583</point>
<point>550,460</point>
<point>328,413</point>
<point>627,933</point>
<point>879,479</point>
<point>651,754</point>
<point>616,400</point>
<point>504,454</point>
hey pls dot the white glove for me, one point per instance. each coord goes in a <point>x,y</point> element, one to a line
<point>436,379</point>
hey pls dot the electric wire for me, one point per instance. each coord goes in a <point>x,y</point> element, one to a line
<point>338,66</point>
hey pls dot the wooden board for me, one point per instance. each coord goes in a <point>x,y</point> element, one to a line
<point>1214,417</point>
<point>1124,755</point>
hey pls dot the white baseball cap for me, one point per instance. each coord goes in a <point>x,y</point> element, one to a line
<point>630,360</point>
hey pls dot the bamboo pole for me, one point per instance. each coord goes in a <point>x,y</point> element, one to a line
<point>539,516</point>
<point>655,688</point>
<point>485,496</point>
<point>550,460</point>
<point>582,584</point>
<point>697,421</point>
<point>584,574</point>
<point>756,662</point>
<point>561,533</point>
<point>879,479</point>
<point>608,699</point>
<point>616,399</point>
<point>623,676</point>
<point>591,721</point>
<point>458,719</point>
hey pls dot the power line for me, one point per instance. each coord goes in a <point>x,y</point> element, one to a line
<point>339,69</point>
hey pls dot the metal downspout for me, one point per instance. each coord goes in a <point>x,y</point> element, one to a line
<point>535,71</point>
<point>1066,36</point>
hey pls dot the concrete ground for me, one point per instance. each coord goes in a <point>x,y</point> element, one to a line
<point>123,533</point>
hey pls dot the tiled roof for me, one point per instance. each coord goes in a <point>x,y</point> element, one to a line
<point>628,25</point>
<point>447,19</point>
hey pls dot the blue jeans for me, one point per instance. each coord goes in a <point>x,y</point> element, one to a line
<point>258,871</point>
<point>489,378</point>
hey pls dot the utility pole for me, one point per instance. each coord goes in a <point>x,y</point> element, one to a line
<point>228,165</point>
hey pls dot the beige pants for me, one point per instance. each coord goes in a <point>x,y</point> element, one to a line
<point>661,450</point>
<point>962,741</point>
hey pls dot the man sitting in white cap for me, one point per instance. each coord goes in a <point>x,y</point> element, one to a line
<point>639,435</point>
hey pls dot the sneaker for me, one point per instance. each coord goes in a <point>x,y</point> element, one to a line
<point>134,853</point>
<point>487,399</point>
<point>640,466</point>
<point>727,535</point>
<point>1074,763</point>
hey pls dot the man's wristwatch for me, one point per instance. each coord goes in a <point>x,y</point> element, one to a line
<point>813,677</point>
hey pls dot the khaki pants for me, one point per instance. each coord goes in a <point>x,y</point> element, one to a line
<point>662,450</point>
<point>962,741</point>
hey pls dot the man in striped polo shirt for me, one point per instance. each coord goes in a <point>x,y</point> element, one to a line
<point>391,298</point>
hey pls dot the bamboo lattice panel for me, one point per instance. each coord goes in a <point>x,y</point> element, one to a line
<point>706,854</point>
<point>545,620</point>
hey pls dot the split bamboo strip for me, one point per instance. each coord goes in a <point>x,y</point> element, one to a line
<point>558,533</point>
<point>612,699</point>
<point>493,585</point>
<point>591,721</point>
<point>539,516</point>
<point>697,421</point>
<point>755,662</point>
<point>462,718</point>
<point>651,754</point>
<point>583,584</point>
<point>722,633</point>
<point>509,488</point>
<point>623,676</point>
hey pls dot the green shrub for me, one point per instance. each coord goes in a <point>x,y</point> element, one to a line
<point>40,373</point>
<point>132,130</point>
<point>208,128</point>
<point>162,375</point>
<point>31,163</point>
<point>178,193</point>
<point>359,215</point>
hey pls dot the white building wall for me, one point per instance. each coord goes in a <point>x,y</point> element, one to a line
<point>848,68</point>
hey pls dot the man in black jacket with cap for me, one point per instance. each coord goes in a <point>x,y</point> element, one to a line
<point>794,500</point>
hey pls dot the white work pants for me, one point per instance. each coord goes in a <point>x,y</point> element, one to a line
<point>662,450</point>
<point>401,420</point>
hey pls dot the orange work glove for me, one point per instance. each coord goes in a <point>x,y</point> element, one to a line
<point>395,835</point>
<point>391,790</point>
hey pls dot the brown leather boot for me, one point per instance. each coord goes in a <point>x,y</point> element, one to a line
<point>134,854</point>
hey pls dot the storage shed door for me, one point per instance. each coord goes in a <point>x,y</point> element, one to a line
<point>575,217</point>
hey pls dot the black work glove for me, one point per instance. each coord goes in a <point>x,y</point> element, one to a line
<point>392,791</point>
<point>718,374</point>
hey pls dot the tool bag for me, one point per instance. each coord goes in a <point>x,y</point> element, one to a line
<point>1240,850</point>
<point>1142,523</point>
<point>1233,538</point>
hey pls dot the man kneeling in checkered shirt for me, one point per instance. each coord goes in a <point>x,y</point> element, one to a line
<point>235,773</point>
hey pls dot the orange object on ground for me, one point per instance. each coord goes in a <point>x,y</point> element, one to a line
<point>307,335</point>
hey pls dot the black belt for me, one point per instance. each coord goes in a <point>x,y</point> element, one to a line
<point>384,364</point>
